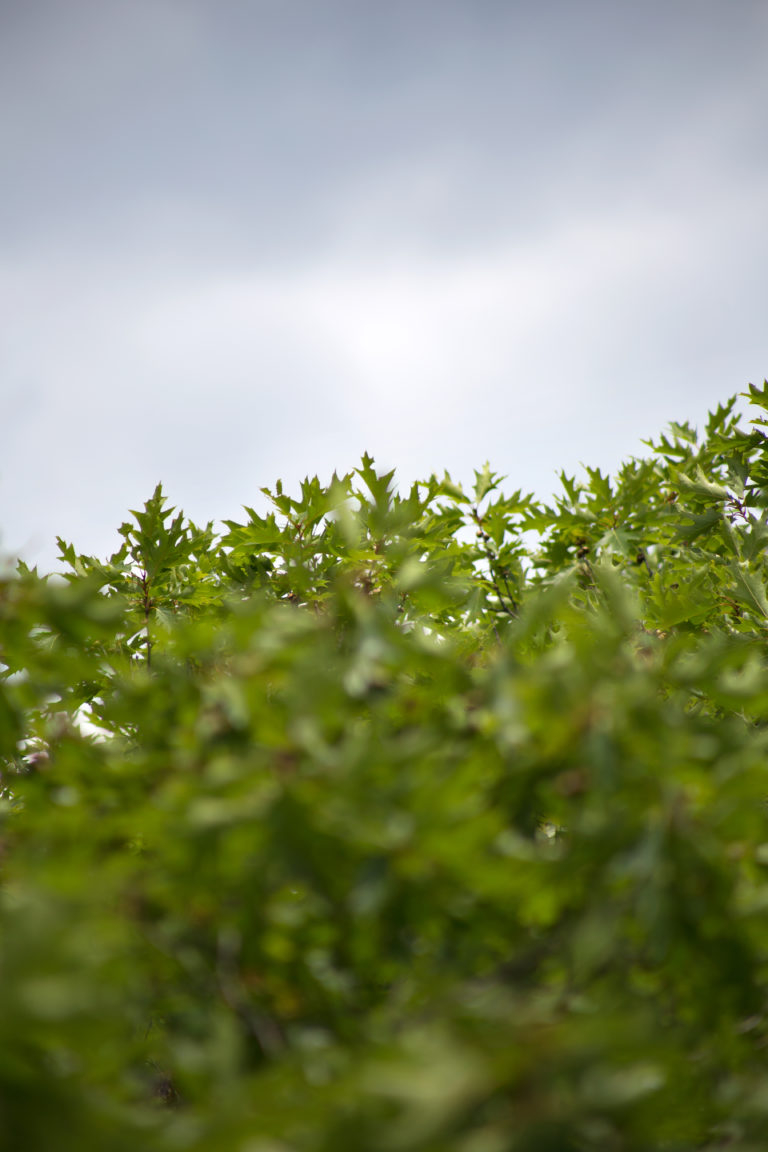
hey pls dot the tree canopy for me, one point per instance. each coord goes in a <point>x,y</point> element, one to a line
<point>421,822</point>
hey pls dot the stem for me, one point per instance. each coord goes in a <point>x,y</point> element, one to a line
<point>146,604</point>
<point>511,607</point>
<point>643,559</point>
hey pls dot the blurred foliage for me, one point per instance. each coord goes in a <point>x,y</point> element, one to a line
<point>398,823</point>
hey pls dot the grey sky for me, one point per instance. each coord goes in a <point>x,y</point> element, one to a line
<point>249,240</point>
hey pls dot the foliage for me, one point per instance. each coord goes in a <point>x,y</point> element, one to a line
<point>397,823</point>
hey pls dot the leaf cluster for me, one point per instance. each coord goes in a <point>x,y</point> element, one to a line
<point>396,822</point>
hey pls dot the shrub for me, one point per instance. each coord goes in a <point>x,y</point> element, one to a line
<point>397,823</point>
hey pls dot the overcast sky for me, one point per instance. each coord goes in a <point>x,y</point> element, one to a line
<point>250,239</point>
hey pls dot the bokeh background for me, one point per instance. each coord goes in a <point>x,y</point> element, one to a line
<point>250,239</point>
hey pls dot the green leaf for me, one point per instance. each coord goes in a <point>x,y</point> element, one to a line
<point>701,485</point>
<point>695,525</point>
<point>749,589</point>
<point>485,482</point>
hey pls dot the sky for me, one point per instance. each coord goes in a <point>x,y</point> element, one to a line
<point>243,240</point>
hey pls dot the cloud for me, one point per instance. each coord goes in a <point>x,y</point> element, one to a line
<point>255,245</point>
